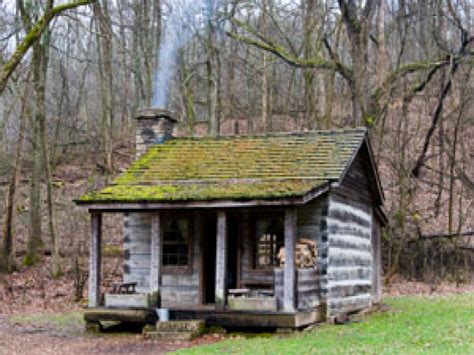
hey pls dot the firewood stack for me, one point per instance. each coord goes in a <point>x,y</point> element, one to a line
<point>306,252</point>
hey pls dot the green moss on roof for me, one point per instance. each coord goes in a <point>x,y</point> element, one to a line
<point>206,191</point>
<point>234,167</point>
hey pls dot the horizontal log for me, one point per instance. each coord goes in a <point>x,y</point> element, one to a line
<point>138,246</point>
<point>180,280</point>
<point>348,304</point>
<point>175,298</point>
<point>344,291</point>
<point>348,241</point>
<point>137,300</point>
<point>120,315</point>
<point>136,271</point>
<point>349,272</point>
<point>252,303</point>
<point>137,261</point>
<point>348,230</point>
<point>347,217</point>
<point>348,257</point>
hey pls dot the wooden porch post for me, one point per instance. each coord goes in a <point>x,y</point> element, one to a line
<point>155,261</point>
<point>221,260</point>
<point>289,281</point>
<point>95,259</point>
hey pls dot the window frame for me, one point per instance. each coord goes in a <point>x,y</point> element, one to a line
<point>177,269</point>
<point>268,215</point>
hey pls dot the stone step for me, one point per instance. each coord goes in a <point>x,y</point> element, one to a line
<point>171,335</point>
<point>176,330</point>
<point>195,326</point>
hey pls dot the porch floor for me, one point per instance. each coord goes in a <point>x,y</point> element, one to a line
<point>249,319</point>
<point>212,317</point>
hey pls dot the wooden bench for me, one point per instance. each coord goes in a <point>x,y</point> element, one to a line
<point>252,284</point>
<point>239,292</point>
<point>124,288</point>
<point>246,292</point>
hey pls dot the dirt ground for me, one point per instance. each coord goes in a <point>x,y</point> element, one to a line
<point>402,287</point>
<point>31,337</point>
<point>60,330</point>
<point>39,315</point>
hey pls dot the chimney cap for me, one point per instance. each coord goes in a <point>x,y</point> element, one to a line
<point>148,113</point>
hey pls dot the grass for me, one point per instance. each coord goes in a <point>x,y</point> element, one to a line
<point>413,325</point>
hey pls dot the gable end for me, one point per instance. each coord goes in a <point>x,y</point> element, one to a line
<point>361,179</point>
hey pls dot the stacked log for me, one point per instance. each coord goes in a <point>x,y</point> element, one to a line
<point>306,253</point>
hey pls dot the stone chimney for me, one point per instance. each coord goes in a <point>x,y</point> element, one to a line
<point>154,126</point>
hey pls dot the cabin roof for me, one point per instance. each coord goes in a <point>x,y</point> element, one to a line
<point>234,167</point>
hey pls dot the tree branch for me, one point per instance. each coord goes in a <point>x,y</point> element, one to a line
<point>405,70</point>
<point>436,115</point>
<point>439,107</point>
<point>32,36</point>
<point>267,45</point>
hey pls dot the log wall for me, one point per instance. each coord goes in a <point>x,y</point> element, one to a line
<point>349,258</point>
<point>376,261</point>
<point>175,288</point>
<point>353,273</point>
<point>136,234</point>
<point>307,288</point>
<point>311,224</point>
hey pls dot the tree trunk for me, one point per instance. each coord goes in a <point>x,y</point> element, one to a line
<point>212,72</point>
<point>104,47</point>
<point>358,32</point>
<point>311,121</point>
<point>265,87</point>
<point>6,257</point>
<point>55,263</point>
<point>126,77</point>
<point>136,67</point>
<point>35,242</point>
<point>382,55</point>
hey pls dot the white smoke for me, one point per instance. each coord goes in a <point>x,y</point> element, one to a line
<point>185,18</point>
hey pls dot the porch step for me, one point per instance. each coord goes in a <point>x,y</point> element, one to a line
<point>180,326</point>
<point>177,330</point>
<point>171,335</point>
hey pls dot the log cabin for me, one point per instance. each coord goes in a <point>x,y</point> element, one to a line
<point>207,219</point>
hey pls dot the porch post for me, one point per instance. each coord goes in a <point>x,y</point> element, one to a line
<point>289,281</point>
<point>95,259</point>
<point>221,260</point>
<point>155,261</point>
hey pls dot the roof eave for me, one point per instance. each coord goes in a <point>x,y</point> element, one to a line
<point>112,206</point>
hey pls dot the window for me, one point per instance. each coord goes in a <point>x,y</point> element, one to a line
<point>269,240</point>
<point>176,244</point>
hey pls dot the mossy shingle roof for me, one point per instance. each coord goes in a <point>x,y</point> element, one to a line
<point>234,167</point>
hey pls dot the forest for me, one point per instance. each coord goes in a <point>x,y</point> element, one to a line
<point>75,72</point>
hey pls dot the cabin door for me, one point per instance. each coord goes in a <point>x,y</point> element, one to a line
<point>209,226</point>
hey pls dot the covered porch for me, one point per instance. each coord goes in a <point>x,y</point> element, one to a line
<point>210,279</point>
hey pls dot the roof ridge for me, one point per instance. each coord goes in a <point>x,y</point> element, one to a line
<point>223,180</point>
<point>360,129</point>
